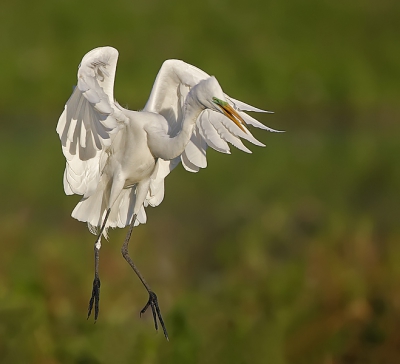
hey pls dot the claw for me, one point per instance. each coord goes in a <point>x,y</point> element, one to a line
<point>155,309</point>
<point>94,299</point>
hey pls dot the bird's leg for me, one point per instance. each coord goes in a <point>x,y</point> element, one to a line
<point>96,282</point>
<point>152,302</point>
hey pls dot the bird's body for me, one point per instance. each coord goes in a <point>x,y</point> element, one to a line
<point>118,158</point>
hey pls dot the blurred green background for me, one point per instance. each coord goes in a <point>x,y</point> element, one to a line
<point>288,255</point>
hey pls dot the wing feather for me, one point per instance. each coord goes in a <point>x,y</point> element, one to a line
<point>171,87</point>
<point>187,164</point>
<point>240,105</point>
<point>236,131</point>
<point>210,134</point>
<point>89,120</point>
<point>195,150</point>
<point>217,121</point>
<point>155,194</point>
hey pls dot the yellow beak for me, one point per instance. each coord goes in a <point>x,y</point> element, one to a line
<point>231,113</point>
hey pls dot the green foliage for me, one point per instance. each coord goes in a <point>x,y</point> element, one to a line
<point>288,255</point>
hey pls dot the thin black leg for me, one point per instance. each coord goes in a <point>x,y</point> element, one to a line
<point>152,302</point>
<point>95,298</point>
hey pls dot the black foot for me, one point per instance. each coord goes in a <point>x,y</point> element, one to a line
<point>95,299</point>
<point>153,303</point>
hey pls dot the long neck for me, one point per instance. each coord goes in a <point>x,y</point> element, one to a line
<point>190,115</point>
<point>169,147</point>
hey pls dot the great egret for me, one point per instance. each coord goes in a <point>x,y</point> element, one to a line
<point>118,158</point>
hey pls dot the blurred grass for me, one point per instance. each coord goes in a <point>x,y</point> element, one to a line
<point>288,255</point>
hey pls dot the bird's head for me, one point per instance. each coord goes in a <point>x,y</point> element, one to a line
<point>208,93</point>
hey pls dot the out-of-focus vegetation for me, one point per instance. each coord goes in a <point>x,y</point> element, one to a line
<point>288,255</point>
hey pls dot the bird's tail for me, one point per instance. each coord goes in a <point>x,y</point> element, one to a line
<point>93,209</point>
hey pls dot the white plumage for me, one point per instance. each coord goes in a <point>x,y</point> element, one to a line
<point>96,134</point>
<point>117,159</point>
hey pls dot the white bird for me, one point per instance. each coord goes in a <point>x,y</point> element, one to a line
<point>118,158</point>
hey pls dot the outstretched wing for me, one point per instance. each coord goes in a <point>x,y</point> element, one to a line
<point>89,119</point>
<point>213,129</point>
